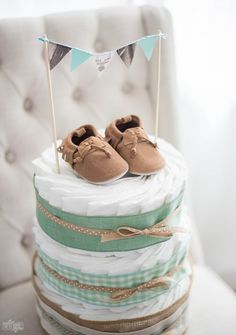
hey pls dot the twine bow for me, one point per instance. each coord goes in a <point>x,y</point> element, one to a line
<point>152,284</point>
<point>155,231</point>
<point>160,230</point>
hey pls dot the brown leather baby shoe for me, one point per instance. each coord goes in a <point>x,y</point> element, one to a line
<point>128,137</point>
<point>91,156</point>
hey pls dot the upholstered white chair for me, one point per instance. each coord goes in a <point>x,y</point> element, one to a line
<point>81,97</point>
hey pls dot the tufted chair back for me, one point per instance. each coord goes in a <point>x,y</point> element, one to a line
<point>80,97</point>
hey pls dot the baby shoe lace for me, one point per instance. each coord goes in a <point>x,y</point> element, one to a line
<point>86,148</point>
<point>133,137</point>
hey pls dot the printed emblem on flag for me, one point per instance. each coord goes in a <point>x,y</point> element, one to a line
<point>103,60</point>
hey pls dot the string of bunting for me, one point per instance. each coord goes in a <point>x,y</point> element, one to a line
<point>58,51</point>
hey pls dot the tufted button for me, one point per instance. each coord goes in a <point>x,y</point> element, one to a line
<point>99,45</point>
<point>27,241</point>
<point>127,87</point>
<point>10,156</point>
<point>77,94</point>
<point>28,104</point>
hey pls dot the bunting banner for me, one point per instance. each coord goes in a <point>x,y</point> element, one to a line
<point>126,53</point>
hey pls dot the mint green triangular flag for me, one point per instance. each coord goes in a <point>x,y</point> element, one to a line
<point>78,57</point>
<point>148,44</point>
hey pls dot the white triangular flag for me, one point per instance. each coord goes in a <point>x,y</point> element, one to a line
<point>103,60</point>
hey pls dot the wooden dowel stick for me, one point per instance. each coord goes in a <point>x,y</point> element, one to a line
<point>158,87</point>
<point>52,110</point>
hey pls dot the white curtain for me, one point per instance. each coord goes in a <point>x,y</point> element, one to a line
<point>205,42</point>
<point>205,46</point>
<point>205,37</point>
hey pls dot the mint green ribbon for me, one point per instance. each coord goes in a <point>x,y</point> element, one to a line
<point>78,240</point>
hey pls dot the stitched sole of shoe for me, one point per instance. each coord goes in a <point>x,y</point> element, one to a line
<point>145,174</point>
<point>105,182</point>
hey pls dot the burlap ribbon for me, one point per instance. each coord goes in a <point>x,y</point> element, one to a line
<point>179,326</point>
<point>123,325</point>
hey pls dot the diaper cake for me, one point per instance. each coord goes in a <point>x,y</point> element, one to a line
<point>112,234</point>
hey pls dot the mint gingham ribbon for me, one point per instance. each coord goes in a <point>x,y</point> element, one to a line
<point>102,298</point>
<point>121,280</point>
